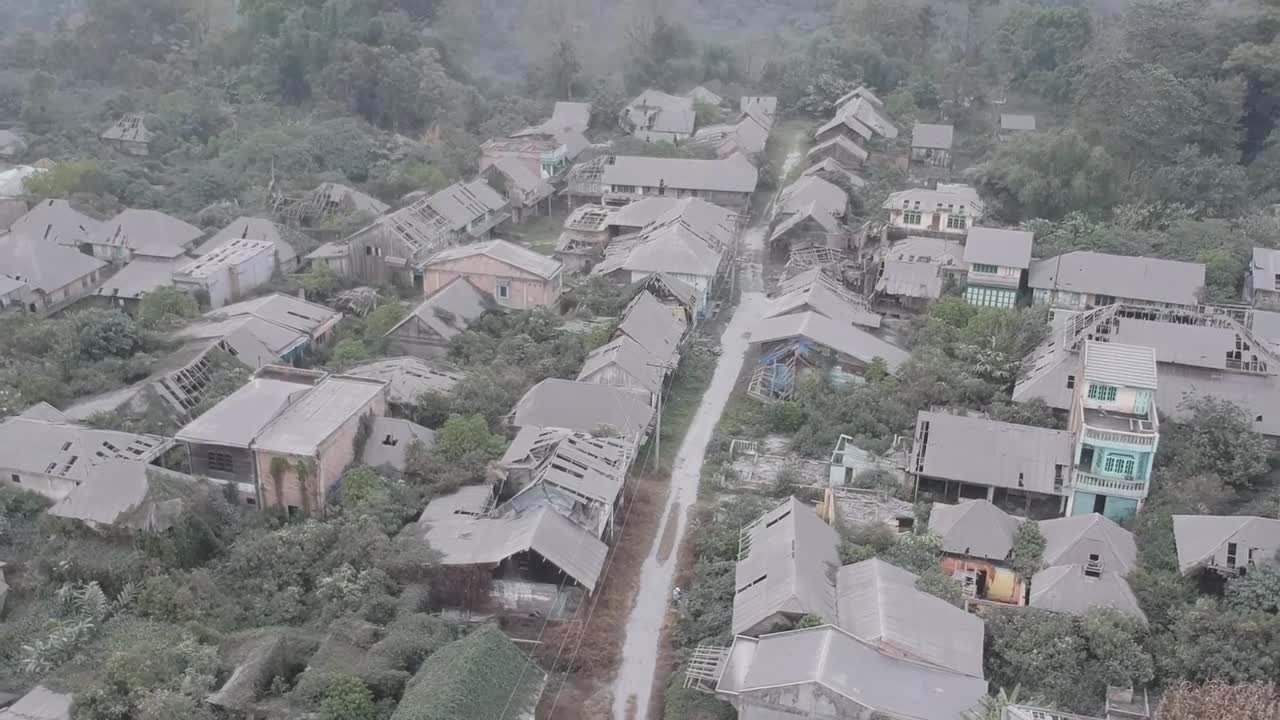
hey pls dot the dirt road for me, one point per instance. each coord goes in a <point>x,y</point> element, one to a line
<point>640,651</point>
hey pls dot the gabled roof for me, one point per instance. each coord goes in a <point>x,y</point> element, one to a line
<point>831,166</point>
<point>842,143</point>
<point>286,239</point>
<point>464,540</point>
<point>1012,121</point>
<point>120,488</point>
<point>828,226</point>
<point>46,412</point>
<point>785,562</point>
<point>585,407</point>
<point>910,279</point>
<point>316,416</point>
<point>336,194</point>
<point>641,212</point>
<point>879,603</point>
<point>681,291</point>
<point>524,179</point>
<point>845,119</point>
<point>68,450</point>
<point>702,94</point>
<point>847,668</point>
<point>408,378</point>
<point>652,324</point>
<point>763,105</point>
<point>932,136</point>
<point>230,255</point>
<point>57,222</point>
<point>974,528</point>
<point>43,265</point>
<point>427,224</point>
<point>504,252</point>
<point>450,310</point>
<point>1067,589</point>
<point>822,330</point>
<point>39,704</point>
<point>656,111</point>
<point>1120,276</point>
<point>141,276</point>
<point>148,232</point>
<point>1199,537</point>
<point>284,310</point>
<point>864,105</point>
<point>462,203</point>
<point>998,246</point>
<point>566,117</point>
<point>808,190</point>
<point>1265,268</point>
<point>1110,363</point>
<point>630,358</point>
<point>1013,456</point>
<point>1071,540</point>
<point>732,174</point>
<point>814,290</point>
<point>389,442</point>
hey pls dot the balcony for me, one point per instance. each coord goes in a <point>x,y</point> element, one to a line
<point>994,280</point>
<point>1127,487</point>
<point>1118,428</point>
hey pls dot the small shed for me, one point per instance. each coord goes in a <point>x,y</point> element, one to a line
<point>130,135</point>
<point>931,144</point>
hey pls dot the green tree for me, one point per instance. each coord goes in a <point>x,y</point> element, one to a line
<point>166,308</point>
<point>1257,591</point>
<point>348,352</point>
<point>101,334</point>
<point>1216,438</point>
<point>37,110</point>
<point>1210,643</point>
<point>347,698</point>
<point>1047,175</point>
<point>1038,46</point>
<point>1208,184</point>
<point>379,323</point>
<point>1219,700</point>
<point>1028,550</point>
<point>467,437</point>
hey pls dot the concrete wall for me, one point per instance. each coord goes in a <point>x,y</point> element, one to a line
<point>50,486</point>
<point>241,462</point>
<point>527,290</point>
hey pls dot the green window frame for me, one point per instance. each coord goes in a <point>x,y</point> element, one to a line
<point>956,222</point>
<point>981,268</point>
<point>912,217</point>
<point>1103,393</point>
<point>1119,465</point>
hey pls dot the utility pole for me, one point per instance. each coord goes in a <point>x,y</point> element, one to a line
<point>657,438</point>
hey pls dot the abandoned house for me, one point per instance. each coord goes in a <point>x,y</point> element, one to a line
<point>46,452</point>
<point>390,440</point>
<point>142,233</point>
<point>527,194</point>
<point>585,407</point>
<point>57,222</point>
<point>427,331</point>
<point>1225,544</point>
<point>129,135</point>
<point>126,288</point>
<point>996,262</point>
<point>622,362</point>
<point>655,116</point>
<point>228,272</point>
<point>286,240</point>
<point>747,134</point>
<point>931,144</point>
<point>832,171</point>
<point>1083,279</point>
<point>396,245</point>
<point>1013,124</point>
<point>326,200</point>
<point>915,270</point>
<point>815,290</point>
<point>513,276</point>
<point>656,326</point>
<point>840,149</point>
<point>727,182</point>
<point>862,104</point>
<point>409,378</point>
<point>55,275</point>
<point>844,125</point>
<point>808,342</point>
<point>977,539</point>
<point>947,211</point>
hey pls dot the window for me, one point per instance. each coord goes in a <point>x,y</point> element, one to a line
<point>1231,555</point>
<point>979,267</point>
<point>912,217</point>
<point>368,249</point>
<point>390,441</point>
<point>294,510</point>
<point>503,289</point>
<point>1104,393</point>
<point>1119,465</point>
<point>14,477</point>
<point>1071,381</point>
<point>220,461</point>
<point>957,222</point>
<point>990,297</point>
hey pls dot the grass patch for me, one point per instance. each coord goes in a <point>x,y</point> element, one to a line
<point>540,233</point>
<point>688,385</point>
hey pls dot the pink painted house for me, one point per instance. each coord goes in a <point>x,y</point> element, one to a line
<point>516,277</point>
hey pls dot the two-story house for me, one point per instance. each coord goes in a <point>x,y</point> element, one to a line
<point>997,260</point>
<point>1116,428</point>
<point>1084,279</point>
<point>946,211</point>
<point>655,116</point>
<point>516,277</point>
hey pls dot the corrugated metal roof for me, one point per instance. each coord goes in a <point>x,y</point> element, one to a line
<point>592,467</point>
<point>70,451</point>
<point>585,407</point>
<point>932,136</point>
<point>1120,276</point>
<point>461,540</point>
<point>408,378</point>
<point>899,278</point>
<point>148,232</point>
<point>846,119</point>
<point>1012,121</point>
<point>56,221</point>
<point>1071,540</point>
<point>653,325</point>
<point>1128,366</point>
<point>469,501</point>
<point>998,246</point>
<point>141,276</point>
<point>821,330</point>
<point>879,603</point>
<point>833,167</point>
<point>1067,589</point>
<point>285,239</point>
<point>732,174</point>
<point>849,668</point>
<point>1013,456</point>
<point>789,558</point>
<point>974,528</point>
<point>43,265</point>
<point>450,310</point>
<point>814,289</point>
<point>1199,537</point>
<point>841,142</point>
<point>630,358</point>
<point>808,190</point>
<point>505,252</point>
